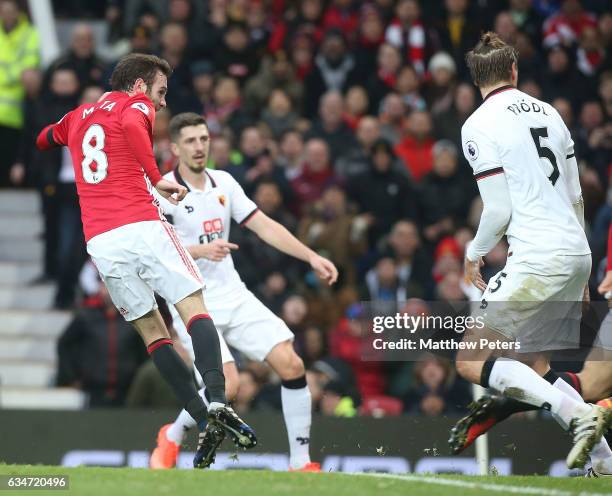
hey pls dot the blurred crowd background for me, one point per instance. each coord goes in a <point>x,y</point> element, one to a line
<point>341,119</point>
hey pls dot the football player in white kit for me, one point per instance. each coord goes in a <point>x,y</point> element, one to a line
<point>523,159</point>
<point>202,221</point>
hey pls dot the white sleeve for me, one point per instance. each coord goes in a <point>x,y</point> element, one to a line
<point>167,207</point>
<point>242,207</point>
<point>480,151</point>
<point>497,209</point>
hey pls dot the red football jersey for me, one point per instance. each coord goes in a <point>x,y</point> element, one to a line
<point>111,145</point>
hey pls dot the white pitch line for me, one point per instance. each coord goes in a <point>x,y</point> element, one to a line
<point>501,488</point>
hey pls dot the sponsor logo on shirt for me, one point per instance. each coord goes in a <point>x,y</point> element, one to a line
<point>213,229</point>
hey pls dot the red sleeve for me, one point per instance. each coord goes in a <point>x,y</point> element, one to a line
<point>137,122</point>
<point>609,267</point>
<point>54,134</point>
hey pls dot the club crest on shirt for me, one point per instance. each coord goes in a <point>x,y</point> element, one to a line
<point>222,200</point>
<point>472,149</point>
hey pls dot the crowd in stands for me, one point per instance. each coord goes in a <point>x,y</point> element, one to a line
<point>342,120</point>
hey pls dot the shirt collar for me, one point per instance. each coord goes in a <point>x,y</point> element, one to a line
<point>499,90</point>
<point>210,183</point>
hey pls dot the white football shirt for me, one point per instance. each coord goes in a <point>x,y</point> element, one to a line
<point>203,216</point>
<point>524,138</point>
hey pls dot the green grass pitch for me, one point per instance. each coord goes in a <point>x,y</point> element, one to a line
<point>92,481</point>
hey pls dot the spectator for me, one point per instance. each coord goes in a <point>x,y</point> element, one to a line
<point>173,41</point>
<point>437,389</point>
<point>444,181</point>
<point>334,70</point>
<point>408,87</point>
<point>276,73</point>
<point>199,96</point>
<point>357,161</point>
<point>392,118</point>
<point>440,90</point>
<point>383,194</point>
<point>304,26</point>
<point>268,198</point>
<point>457,31</point>
<point>505,27</point>
<point>235,57</point>
<point>412,262</point>
<point>343,16</point>
<point>273,291</point>
<point>53,175</point>
<point>221,154</point>
<point>331,127</point>
<point>314,345</point>
<point>316,173</point>
<point>564,107</point>
<point>82,58</point>
<point>99,353</point>
<point>566,27</point>
<point>161,141</point>
<point>226,110</point>
<point>290,156</point>
<point>382,82</point>
<point>371,35</point>
<point>329,228</point>
<point>448,124</point>
<point>279,115</point>
<point>18,53</point>
<point>416,147</point>
<point>356,105</point>
<point>257,164</point>
<point>346,341</point>
<point>382,284</point>
<point>527,20</point>
<point>407,32</point>
<point>591,53</point>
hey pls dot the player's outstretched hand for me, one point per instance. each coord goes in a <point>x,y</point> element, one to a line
<point>605,288</point>
<point>216,250</point>
<point>172,192</point>
<point>472,273</point>
<point>325,269</point>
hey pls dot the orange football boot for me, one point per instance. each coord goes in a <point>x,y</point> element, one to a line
<point>166,452</point>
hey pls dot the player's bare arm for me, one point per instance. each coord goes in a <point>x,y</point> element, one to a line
<point>172,192</point>
<point>215,251</point>
<point>279,237</point>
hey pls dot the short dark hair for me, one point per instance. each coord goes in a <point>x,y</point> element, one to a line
<point>490,61</point>
<point>185,119</point>
<point>135,66</point>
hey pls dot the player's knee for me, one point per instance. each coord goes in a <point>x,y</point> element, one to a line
<point>286,362</point>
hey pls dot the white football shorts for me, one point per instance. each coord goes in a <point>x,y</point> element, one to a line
<point>139,258</point>
<point>538,304</point>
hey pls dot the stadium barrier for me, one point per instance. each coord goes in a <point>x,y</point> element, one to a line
<point>395,445</point>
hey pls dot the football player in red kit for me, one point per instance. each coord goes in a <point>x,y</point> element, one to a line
<point>135,250</point>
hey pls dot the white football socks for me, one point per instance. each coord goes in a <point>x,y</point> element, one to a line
<point>176,432</point>
<point>517,380</point>
<point>297,410</point>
